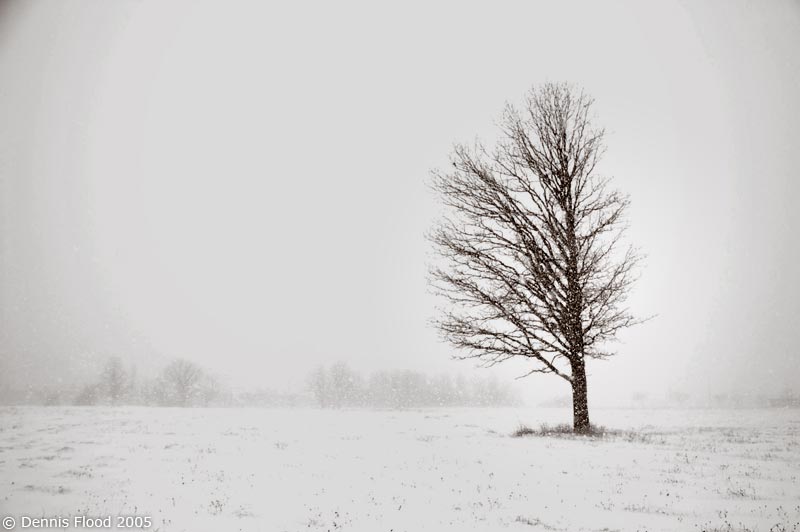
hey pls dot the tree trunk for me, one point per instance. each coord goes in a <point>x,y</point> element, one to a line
<point>580,401</point>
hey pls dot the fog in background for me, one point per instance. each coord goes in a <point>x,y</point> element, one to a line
<point>243,184</point>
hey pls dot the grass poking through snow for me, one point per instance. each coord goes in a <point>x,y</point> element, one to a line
<point>564,430</point>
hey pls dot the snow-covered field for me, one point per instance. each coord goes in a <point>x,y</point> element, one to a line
<point>227,470</point>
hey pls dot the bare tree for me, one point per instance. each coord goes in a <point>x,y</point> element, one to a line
<point>343,384</point>
<point>183,379</point>
<point>319,386</point>
<point>529,259</point>
<point>116,380</point>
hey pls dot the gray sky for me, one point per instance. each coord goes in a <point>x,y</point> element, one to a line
<point>243,183</point>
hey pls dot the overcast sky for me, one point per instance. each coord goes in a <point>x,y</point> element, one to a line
<point>244,183</point>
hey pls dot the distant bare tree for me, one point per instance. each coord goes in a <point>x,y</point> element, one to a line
<point>343,384</point>
<point>209,390</point>
<point>88,395</point>
<point>318,384</point>
<point>529,259</point>
<point>183,379</point>
<point>115,380</point>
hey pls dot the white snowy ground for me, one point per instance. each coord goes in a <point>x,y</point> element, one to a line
<point>227,470</point>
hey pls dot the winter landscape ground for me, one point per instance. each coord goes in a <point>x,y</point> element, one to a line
<point>460,469</point>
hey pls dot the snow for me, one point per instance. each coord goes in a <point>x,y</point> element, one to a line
<point>254,469</point>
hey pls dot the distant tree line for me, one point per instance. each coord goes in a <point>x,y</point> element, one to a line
<point>337,385</point>
<point>183,383</point>
<point>786,398</point>
<point>180,383</point>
